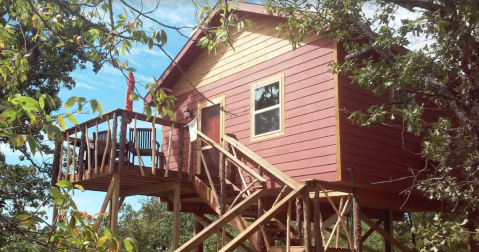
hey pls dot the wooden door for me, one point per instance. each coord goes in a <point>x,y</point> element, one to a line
<point>211,127</point>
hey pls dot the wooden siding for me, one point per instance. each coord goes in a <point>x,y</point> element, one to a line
<point>377,153</point>
<point>250,48</point>
<point>308,147</point>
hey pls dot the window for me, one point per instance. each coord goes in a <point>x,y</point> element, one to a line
<point>267,108</point>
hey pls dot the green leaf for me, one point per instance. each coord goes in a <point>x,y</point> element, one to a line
<point>107,232</point>
<point>70,102</point>
<point>20,140</point>
<point>71,118</point>
<point>164,37</point>
<point>59,45</point>
<point>101,241</point>
<point>33,144</point>
<point>128,245</point>
<point>96,106</point>
<point>50,101</point>
<point>55,192</point>
<point>65,184</point>
<point>26,103</point>
<point>131,69</point>
<point>8,113</point>
<point>80,187</point>
<point>147,111</point>
<point>23,216</point>
<point>61,122</point>
<point>125,64</point>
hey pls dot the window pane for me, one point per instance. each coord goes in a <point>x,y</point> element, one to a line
<point>266,96</point>
<point>266,121</point>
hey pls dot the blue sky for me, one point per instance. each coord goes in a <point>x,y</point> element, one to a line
<point>108,86</point>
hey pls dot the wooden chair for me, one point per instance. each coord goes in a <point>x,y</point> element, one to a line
<point>144,145</point>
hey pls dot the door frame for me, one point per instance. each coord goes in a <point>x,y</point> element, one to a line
<point>201,105</point>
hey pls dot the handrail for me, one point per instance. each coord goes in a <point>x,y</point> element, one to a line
<point>130,114</point>
<point>263,163</point>
<point>232,158</point>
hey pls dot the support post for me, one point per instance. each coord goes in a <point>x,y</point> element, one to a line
<point>358,240</point>
<point>190,161</point>
<point>122,148</point>
<point>198,227</point>
<point>298,218</point>
<point>153,147</point>
<point>388,227</point>
<point>176,216</point>
<point>181,130</point>
<point>307,220</point>
<point>318,246</point>
<point>113,144</point>
<point>115,203</point>
<point>96,147</point>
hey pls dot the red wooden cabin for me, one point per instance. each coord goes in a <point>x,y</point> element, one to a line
<point>302,129</point>
<point>275,153</point>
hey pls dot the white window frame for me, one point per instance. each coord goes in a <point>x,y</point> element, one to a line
<point>280,106</point>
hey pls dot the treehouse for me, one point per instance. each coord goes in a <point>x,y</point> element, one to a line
<point>274,156</point>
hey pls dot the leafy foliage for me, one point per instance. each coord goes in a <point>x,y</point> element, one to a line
<point>425,54</point>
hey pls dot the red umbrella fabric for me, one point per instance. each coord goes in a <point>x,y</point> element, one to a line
<point>131,88</point>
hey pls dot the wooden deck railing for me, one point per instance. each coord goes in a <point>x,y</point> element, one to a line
<point>81,155</point>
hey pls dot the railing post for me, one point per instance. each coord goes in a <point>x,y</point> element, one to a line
<point>113,144</point>
<point>358,243</point>
<point>121,154</point>
<point>180,151</point>
<point>190,160</point>
<point>81,155</point>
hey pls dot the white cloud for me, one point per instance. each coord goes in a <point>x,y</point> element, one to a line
<point>84,85</point>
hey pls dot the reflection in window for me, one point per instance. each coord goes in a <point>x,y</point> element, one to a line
<point>267,109</point>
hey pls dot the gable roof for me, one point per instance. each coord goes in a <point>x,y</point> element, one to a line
<point>190,50</point>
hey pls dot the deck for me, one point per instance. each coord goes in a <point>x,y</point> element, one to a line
<point>259,213</point>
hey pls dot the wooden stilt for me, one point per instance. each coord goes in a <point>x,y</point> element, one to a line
<point>298,219</point>
<point>109,192</point>
<point>307,220</point>
<point>180,152</point>
<point>167,167</point>
<point>336,226</point>
<point>358,241</point>
<point>288,228</point>
<point>113,144</point>
<point>318,245</point>
<point>176,216</point>
<point>122,147</point>
<point>56,169</point>
<point>198,227</point>
<point>222,194</point>
<point>388,227</point>
<point>114,203</point>
<point>190,161</point>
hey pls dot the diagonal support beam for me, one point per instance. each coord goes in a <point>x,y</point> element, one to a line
<point>384,234</point>
<point>206,222</point>
<point>264,218</point>
<point>109,192</point>
<point>232,158</point>
<point>238,223</point>
<point>221,221</point>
